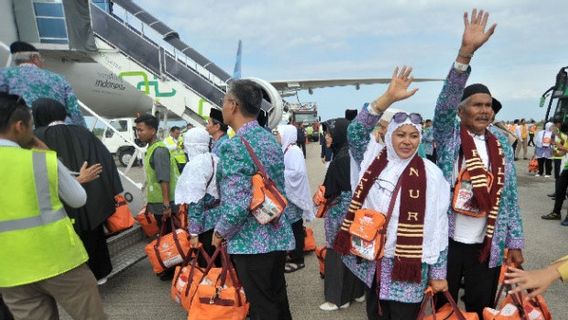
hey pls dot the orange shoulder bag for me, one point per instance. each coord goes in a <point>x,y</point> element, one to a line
<point>267,203</point>
<point>148,222</point>
<point>368,230</point>
<point>450,311</point>
<point>464,199</point>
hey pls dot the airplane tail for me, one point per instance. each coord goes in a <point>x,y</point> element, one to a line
<point>237,70</point>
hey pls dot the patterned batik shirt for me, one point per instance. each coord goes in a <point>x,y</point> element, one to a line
<point>31,83</point>
<point>203,215</point>
<point>217,144</point>
<point>358,136</point>
<point>236,224</point>
<point>509,227</point>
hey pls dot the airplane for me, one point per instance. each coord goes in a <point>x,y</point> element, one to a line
<point>116,78</point>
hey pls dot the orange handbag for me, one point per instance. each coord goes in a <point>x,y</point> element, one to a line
<point>515,307</point>
<point>450,311</point>
<point>148,223</point>
<point>219,296</point>
<point>168,250</point>
<point>320,254</point>
<point>267,203</point>
<point>321,202</point>
<point>122,218</point>
<point>533,166</point>
<point>464,199</point>
<point>180,219</point>
<point>186,277</point>
<point>309,240</point>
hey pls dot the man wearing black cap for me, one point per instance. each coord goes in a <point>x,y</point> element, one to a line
<point>350,114</point>
<point>217,129</point>
<point>31,82</point>
<point>484,215</point>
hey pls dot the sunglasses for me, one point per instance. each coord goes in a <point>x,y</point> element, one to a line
<point>400,117</point>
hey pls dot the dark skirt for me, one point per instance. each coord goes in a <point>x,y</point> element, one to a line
<point>97,249</point>
<point>340,284</point>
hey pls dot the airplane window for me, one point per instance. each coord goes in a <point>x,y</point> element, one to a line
<point>109,133</point>
<point>49,10</point>
<point>51,28</point>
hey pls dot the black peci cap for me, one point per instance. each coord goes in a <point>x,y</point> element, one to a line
<point>20,46</point>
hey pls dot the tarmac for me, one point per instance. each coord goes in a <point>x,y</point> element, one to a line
<point>138,294</point>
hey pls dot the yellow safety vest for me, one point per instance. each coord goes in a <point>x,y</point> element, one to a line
<point>37,239</point>
<point>177,153</point>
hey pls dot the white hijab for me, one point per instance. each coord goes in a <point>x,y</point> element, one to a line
<point>295,173</point>
<point>199,170</point>
<point>195,142</point>
<point>546,133</point>
<point>437,196</point>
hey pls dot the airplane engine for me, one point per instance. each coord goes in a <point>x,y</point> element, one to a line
<point>275,104</point>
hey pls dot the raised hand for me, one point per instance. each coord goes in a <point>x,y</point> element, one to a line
<point>474,34</point>
<point>397,90</point>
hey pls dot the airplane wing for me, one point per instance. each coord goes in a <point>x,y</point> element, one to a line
<point>290,87</point>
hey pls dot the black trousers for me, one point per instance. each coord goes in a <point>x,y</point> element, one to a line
<point>480,280</point>
<point>4,312</point>
<point>391,310</point>
<point>297,255</point>
<point>531,140</point>
<point>262,277</point>
<point>542,163</point>
<point>561,185</point>
<point>557,168</point>
<point>205,239</point>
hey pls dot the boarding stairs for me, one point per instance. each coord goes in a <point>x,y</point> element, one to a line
<point>149,55</point>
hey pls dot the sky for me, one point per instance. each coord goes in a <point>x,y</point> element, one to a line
<point>317,39</point>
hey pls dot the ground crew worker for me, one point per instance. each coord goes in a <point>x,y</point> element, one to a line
<point>174,143</point>
<point>161,176</point>
<point>42,259</point>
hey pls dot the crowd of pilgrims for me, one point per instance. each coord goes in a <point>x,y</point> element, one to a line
<point>440,196</point>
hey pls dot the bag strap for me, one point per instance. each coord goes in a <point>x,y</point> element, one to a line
<point>176,242</point>
<point>212,174</point>
<point>454,306</point>
<point>259,165</point>
<point>428,300</point>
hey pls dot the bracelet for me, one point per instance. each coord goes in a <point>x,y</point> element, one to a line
<point>465,55</point>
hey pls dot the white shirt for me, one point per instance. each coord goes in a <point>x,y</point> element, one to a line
<point>470,229</point>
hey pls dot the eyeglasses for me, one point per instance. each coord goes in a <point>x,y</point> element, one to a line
<point>400,117</point>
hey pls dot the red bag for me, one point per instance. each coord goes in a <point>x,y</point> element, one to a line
<point>450,311</point>
<point>309,240</point>
<point>320,254</point>
<point>219,296</point>
<point>168,250</point>
<point>122,218</point>
<point>148,223</point>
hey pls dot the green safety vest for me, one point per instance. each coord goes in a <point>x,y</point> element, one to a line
<point>178,153</point>
<point>153,188</point>
<point>37,238</point>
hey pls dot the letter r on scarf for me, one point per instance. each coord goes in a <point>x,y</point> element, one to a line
<point>412,195</point>
<point>412,216</point>
<point>414,172</point>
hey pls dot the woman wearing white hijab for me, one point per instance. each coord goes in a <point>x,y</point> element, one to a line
<point>415,253</point>
<point>197,187</point>
<point>543,150</point>
<point>297,187</point>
